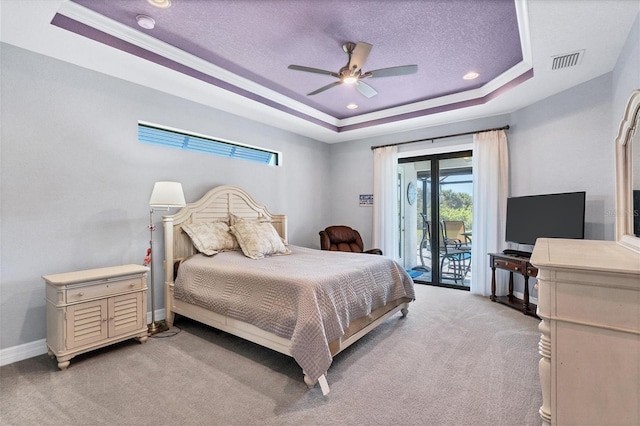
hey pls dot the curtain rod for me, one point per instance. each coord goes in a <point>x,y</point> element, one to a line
<point>441,137</point>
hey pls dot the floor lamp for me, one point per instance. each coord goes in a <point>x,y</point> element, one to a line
<point>165,195</point>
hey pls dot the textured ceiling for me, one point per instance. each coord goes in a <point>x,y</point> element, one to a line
<point>257,40</point>
<point>233,54</point>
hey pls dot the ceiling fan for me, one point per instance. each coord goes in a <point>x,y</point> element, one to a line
<point>352,72</point>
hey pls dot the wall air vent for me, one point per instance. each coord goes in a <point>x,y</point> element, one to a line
<point>567,60</point>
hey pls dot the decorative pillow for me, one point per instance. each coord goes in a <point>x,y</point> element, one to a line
<point>211,237</point>
<point>258,239</point>
<point>233,219</point>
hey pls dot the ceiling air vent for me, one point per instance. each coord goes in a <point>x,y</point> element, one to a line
<point>567,60</point>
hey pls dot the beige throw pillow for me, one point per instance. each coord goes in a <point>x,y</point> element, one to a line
<point>258,239</point>
<point>211,237</point>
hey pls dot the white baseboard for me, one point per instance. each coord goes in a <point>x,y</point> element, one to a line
<point>39,347</point>
<point>25,351</point>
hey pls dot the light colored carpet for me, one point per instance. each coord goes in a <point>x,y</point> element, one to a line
<point>457,359</point>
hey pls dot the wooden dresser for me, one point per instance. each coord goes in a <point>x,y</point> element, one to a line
<point>90,309</point>
<point>589,303</point>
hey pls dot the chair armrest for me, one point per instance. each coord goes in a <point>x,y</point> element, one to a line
<point>373,251</point>
<point>453,242</point>
<point>325,243</point>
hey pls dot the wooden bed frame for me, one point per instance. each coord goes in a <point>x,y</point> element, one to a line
<point>218,204</point>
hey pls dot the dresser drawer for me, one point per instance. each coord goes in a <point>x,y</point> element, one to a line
<point>101,289</point>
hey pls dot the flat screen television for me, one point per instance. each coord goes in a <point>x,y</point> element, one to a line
<point>548,215</point>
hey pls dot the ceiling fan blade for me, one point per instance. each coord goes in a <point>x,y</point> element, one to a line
<point>313,70</point>
<point>393,71</point>
<point>323,88</point>
<point>359,55</point>
<point>365,89</point>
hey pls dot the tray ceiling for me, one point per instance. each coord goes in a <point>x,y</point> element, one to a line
<point>240,51</point>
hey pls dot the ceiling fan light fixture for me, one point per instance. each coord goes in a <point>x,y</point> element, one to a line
<point>163,4</point>
<point>146,22</point>
<point>352,106</point>
<point>471,75</point>
<point>352,74</point>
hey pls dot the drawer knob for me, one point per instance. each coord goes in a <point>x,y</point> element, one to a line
<point>80,294</point>
<point>515,269</point>
<point>132,285</point>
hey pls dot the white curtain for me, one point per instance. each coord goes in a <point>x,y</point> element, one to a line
<point>385,200</point>
<point>490,192</point>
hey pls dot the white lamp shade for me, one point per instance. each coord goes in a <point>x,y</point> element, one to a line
<point>167,194</point>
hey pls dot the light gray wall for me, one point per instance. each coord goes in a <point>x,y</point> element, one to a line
<point>626,74</point>
<point>564,144</point>
<point>76,182</point>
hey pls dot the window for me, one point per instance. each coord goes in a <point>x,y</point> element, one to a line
<point>179,139</point>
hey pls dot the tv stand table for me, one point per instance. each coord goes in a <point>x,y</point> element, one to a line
<point>521,265</point>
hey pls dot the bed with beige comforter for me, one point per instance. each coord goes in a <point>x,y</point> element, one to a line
<point>310,297</point>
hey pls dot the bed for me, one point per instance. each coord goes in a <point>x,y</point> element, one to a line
<point>305,303</point>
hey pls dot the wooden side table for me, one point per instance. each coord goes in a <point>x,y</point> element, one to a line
<point>90,309</point>
<point>520,265</point>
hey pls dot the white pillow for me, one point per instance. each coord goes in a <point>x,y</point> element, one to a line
<point>258,239</point>
<point>211,237</point>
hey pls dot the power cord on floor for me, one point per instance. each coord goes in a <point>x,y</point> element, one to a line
<point>168,333</point>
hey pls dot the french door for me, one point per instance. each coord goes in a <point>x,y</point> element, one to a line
<point>444,218</point>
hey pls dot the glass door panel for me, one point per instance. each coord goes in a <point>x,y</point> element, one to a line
<point>445,198</point>
<point>455,204</point>
<point>424,217</point>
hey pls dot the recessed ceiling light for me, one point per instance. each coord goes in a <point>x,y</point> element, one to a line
<point>352,106</point>
<point>471,75</point>
<point>160,3</point>
<point>146,22</point>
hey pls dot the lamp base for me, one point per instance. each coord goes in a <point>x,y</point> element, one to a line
<point>157,327</point>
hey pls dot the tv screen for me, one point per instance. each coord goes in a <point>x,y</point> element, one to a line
<point>550,215</point>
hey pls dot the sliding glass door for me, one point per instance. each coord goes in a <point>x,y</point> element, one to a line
<point>444,218</point>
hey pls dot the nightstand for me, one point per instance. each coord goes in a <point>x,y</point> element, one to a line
<point>90,309</point>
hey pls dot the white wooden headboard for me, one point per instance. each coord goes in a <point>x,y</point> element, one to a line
<point>217,204</point>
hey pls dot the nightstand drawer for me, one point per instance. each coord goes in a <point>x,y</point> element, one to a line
<point>106,288</point>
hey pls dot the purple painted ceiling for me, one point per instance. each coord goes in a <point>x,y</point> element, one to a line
<point>258,39</point>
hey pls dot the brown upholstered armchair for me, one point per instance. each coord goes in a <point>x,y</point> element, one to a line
<point>343,238</point>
